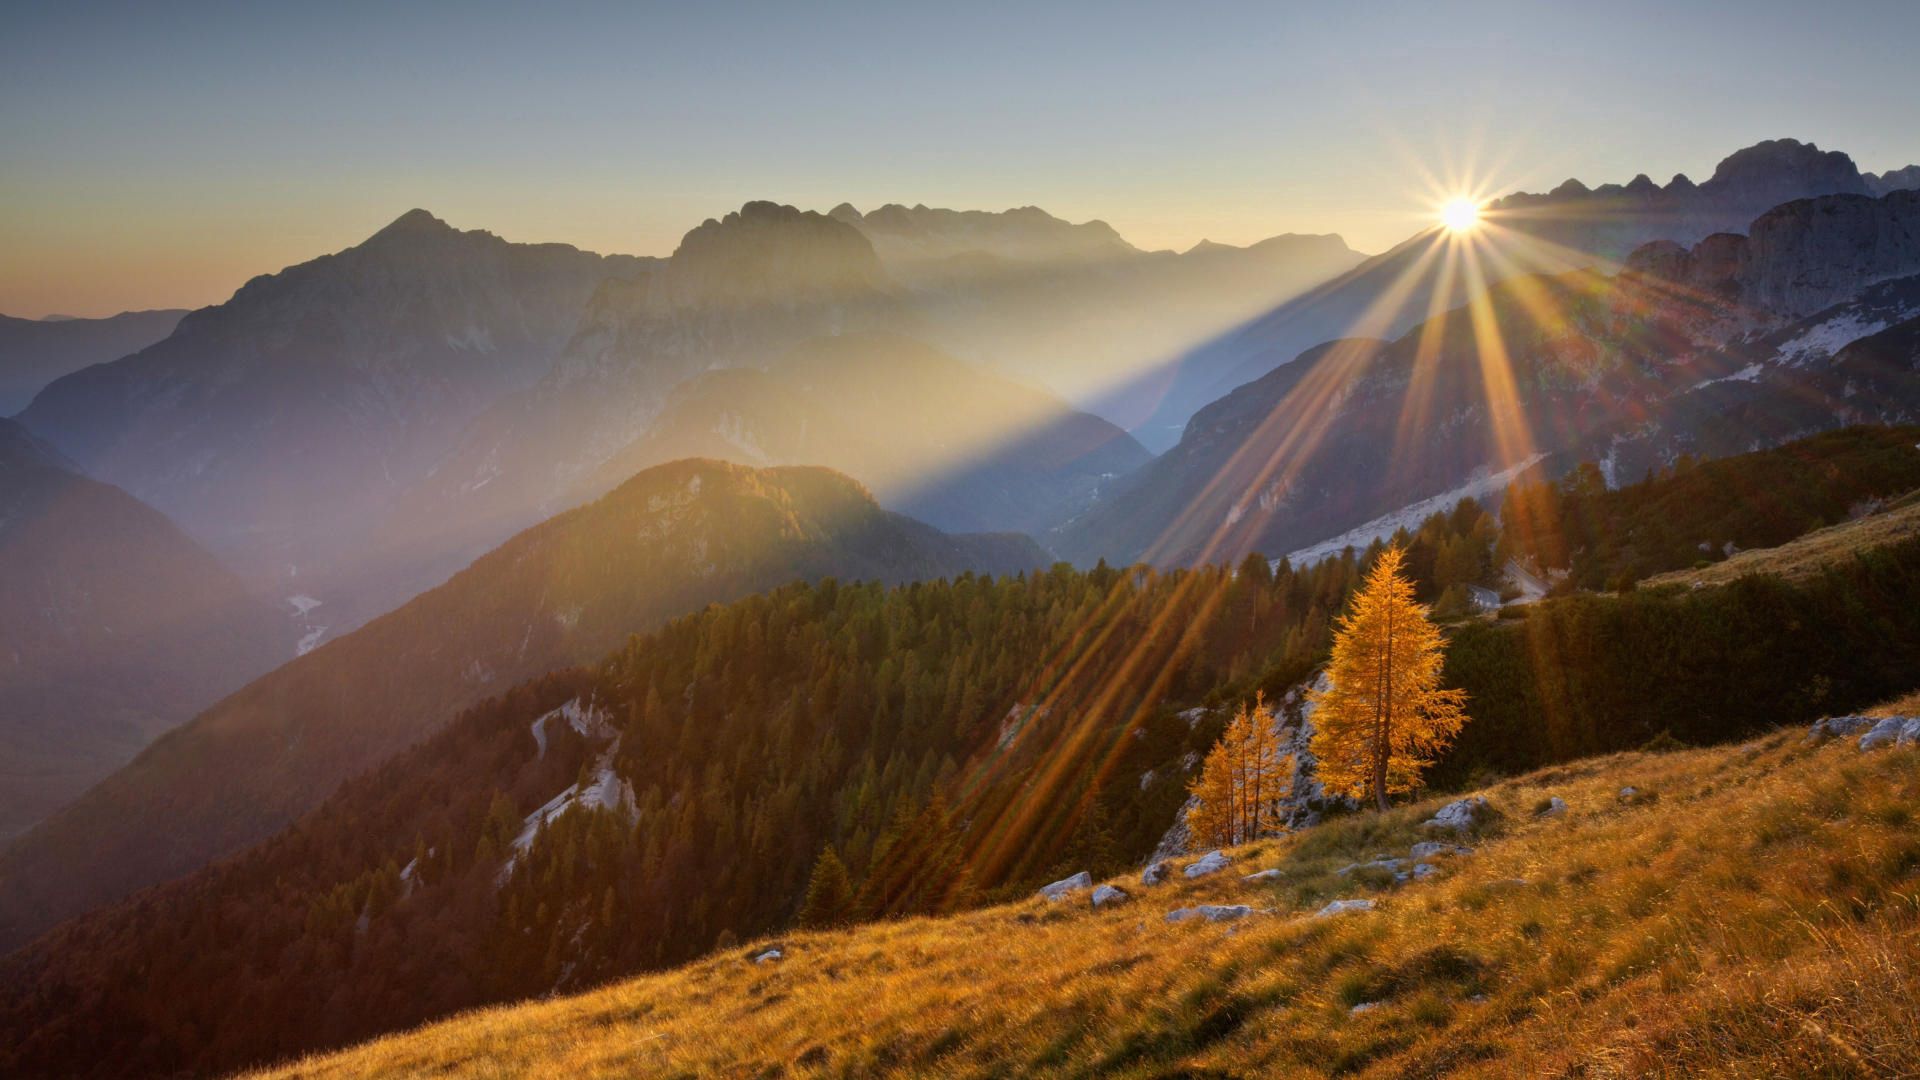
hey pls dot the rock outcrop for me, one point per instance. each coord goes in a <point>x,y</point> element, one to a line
<point>1210,863</point>
<point>1459,816</point>
<point>1059,890</point>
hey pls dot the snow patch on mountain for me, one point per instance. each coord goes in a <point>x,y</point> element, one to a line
<point>1820,341</point>
<point>1482,482</point>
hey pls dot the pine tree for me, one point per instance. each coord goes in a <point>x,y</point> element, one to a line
<point>829,899</point>
<point>1243,777</point>
<point>1385,715</point>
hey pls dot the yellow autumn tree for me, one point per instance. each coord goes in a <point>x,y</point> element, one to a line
<point>1385,715</point>
<point>1245,774</point>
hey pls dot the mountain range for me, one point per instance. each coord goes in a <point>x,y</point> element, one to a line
<point>1572,227</point>
<point>665,543</point>
<point>708,450</point>
<point>280,427</point>
<point>1714,349</point>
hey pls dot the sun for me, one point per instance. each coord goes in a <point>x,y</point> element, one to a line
<point>1459,214</point>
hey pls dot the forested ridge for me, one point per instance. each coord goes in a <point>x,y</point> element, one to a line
<point>1696,512</point>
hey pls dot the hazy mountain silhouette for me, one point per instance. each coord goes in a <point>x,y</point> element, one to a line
<point>114,627</point>
<point>34,352</point>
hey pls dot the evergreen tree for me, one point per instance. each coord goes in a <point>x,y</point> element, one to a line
<point>1385,716</point>
<point>829,899</point>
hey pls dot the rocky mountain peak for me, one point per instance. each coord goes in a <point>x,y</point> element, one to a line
<point>1788,167</point>
<point>415,222</point>
<point>769,252</point>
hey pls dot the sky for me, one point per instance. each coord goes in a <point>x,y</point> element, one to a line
<point>159,155</point>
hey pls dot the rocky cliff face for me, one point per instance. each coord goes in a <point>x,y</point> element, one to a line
<point>1801,257</point>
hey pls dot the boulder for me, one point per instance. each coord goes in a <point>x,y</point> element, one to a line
<point>1264,875</point>
<point>767,955</point>
<point>1909,732</point>
<point>1108,894</point>
<point>1883,734</point>
<point>1629,794</point>
<point>1423,871</point>
<point>1838,727</point>
<point>1156,873</point>
<point>1058,891</point>
<point>1363,1008</point>
<point>1555,807</point>
<point>1428,849</point>
<point>1341,907</point>
<point>1211,862</point>
<point>1459,816</point>
<point>1210,912</point>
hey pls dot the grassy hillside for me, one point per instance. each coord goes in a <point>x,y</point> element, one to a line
<point>1804,556</point>
<point>1695,513</point>
<point>1750,911</point>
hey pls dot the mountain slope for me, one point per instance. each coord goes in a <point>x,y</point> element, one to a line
<point>596,823</point>
<point>1744,913</point>
<point>737,292</point>
<point>113,627</point>
<point>1570,228</point>
<point>34,352</point>
<point>960,448</point>
<point>1699,350</point>
<point>280,426</point>
<point>669,541</point>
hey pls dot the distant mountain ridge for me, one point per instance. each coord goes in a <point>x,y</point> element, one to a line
<point>1733,344</point>
<point>280,426</point>
<point>1571,227</point>
<point>667,542</point>
<point>35,352</point>
<point>960,448</point>
<point>114,626</point>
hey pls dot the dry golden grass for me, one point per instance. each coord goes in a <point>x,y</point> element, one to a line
<point>1753,913</point>
<point>1806,555</point>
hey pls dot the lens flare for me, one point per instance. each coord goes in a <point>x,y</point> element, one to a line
<point>1460,214</point>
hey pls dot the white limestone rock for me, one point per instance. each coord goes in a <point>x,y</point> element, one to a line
<point>1058,891</point>
<point>1210,863</point>
<point>1459,816</point>
<point>1210,912</point>
<point>1342,907</point>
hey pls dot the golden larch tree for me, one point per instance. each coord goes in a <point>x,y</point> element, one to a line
<point>1245,774</point>
<point>1385,715</point>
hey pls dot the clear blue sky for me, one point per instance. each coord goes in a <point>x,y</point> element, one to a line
<point>160,154</point>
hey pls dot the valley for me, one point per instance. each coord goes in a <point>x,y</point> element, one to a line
<point>1252,541</point>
